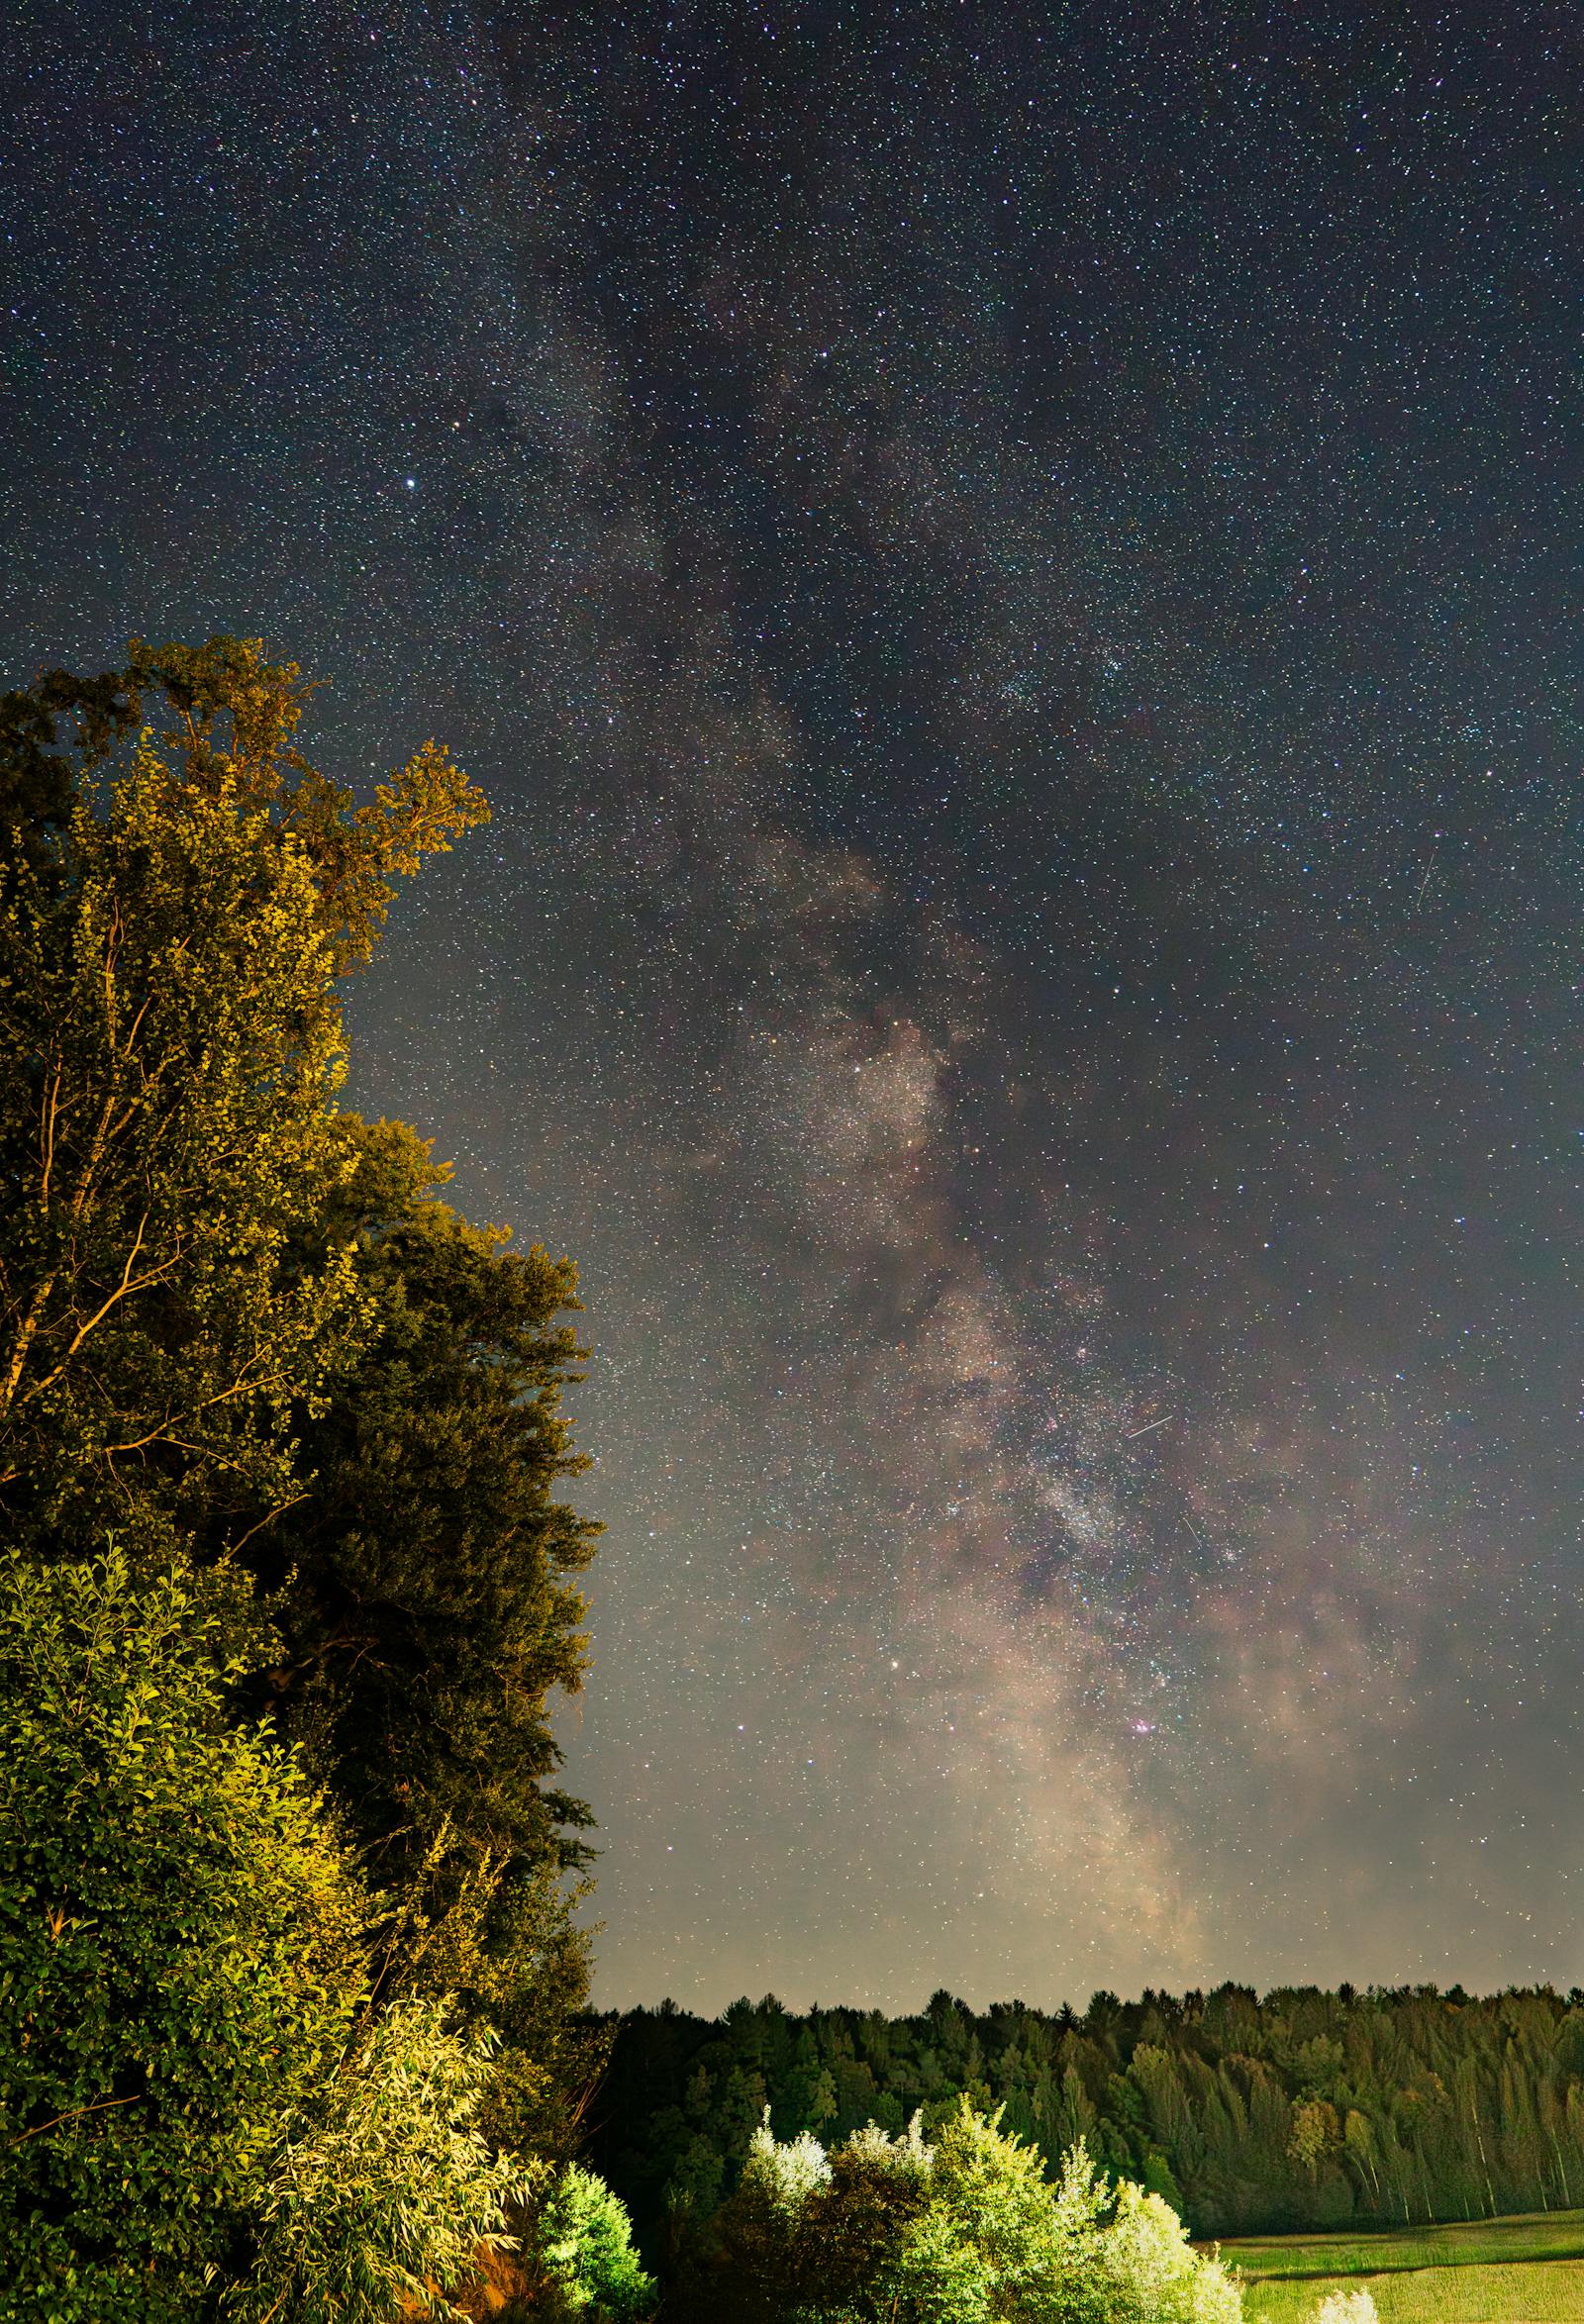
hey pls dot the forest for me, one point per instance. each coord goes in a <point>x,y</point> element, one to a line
<point>1301,2109</point>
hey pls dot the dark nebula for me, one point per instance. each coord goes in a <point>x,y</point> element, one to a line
<point>1013,576</point>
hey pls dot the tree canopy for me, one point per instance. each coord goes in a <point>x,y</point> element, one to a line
<point>237,1320</point>
<point>962,2229</point>
<point>182,1945</point>
<point>424,1584</point>
<point>179,889</point>
<point>1300,2109</point>
<point>242,1331</point>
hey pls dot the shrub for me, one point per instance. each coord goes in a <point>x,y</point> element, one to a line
<point>1155,2275</point>
<point>180,1949</point>
<point>380,2210</point>
<point>583,2242</point>
<point>1347,2307</point>
<point>966,2230</point>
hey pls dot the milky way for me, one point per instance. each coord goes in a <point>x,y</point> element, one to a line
<point>1014,579</point>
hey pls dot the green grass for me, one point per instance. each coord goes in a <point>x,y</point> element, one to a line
<point>1535,2291</point>
<point>1523,2271</point>
<point>1531,2235</point>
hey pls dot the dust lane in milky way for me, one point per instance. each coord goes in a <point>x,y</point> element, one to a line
<point>1013,582</point>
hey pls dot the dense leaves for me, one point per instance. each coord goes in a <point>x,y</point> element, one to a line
<point>170,929</point>
<point>322,1412</point>
<point>424,1597</point>
<point>426,1601</point>
<point>964,2229</point>
<point>1306,2108</point>
<point>387,2205</point>
<point>181,1949</point>
<point>237,1318</point>
<point>168,1052</point>
<point>582,2244</point>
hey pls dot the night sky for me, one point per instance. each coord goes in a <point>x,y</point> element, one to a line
<point>1013,578</point>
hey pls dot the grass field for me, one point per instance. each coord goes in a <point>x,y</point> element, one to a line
<point>1524,2270</point>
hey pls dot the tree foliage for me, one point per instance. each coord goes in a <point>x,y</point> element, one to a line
<point>242,1328</point>
<point>425,1596</point>
<point>170,929</point>
<point>1302,2110</point>
<point>964,2229</point>
<point>169,1050</point>
<point>386,2204</point>
<point>181,1948</point>
<point>425,1585</point>
<point>1347,2307</point>
<point>582,2243</point>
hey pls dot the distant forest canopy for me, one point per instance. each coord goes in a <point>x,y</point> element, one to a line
<point>1305,2109</point>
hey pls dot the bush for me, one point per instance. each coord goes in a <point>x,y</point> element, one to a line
<point>583,2243</point>
<point>1347,2307</point>
<point>1155,2275</point>
<point>966,2230</point>
<point>180,1949</point>
<point>381,2210</point>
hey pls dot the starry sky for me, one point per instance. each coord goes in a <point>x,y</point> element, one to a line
<point>1013,578</point>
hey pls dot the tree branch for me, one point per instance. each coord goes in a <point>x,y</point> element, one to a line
<point>99,2107</point>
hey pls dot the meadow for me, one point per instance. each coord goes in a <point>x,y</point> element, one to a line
<point>1526,2269</point>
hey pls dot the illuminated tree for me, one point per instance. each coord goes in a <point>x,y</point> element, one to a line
<point>174,910</point>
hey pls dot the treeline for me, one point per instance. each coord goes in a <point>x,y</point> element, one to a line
<point>1303,2109</point>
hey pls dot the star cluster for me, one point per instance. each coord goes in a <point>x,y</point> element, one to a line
<point>1013,577</point>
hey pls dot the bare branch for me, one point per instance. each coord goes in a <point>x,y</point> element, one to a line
<point>48,1157</point>
<point>26,1333</point>
<point>268,1518</point>
<point>99,2107</point>
<point>124,1289</point>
